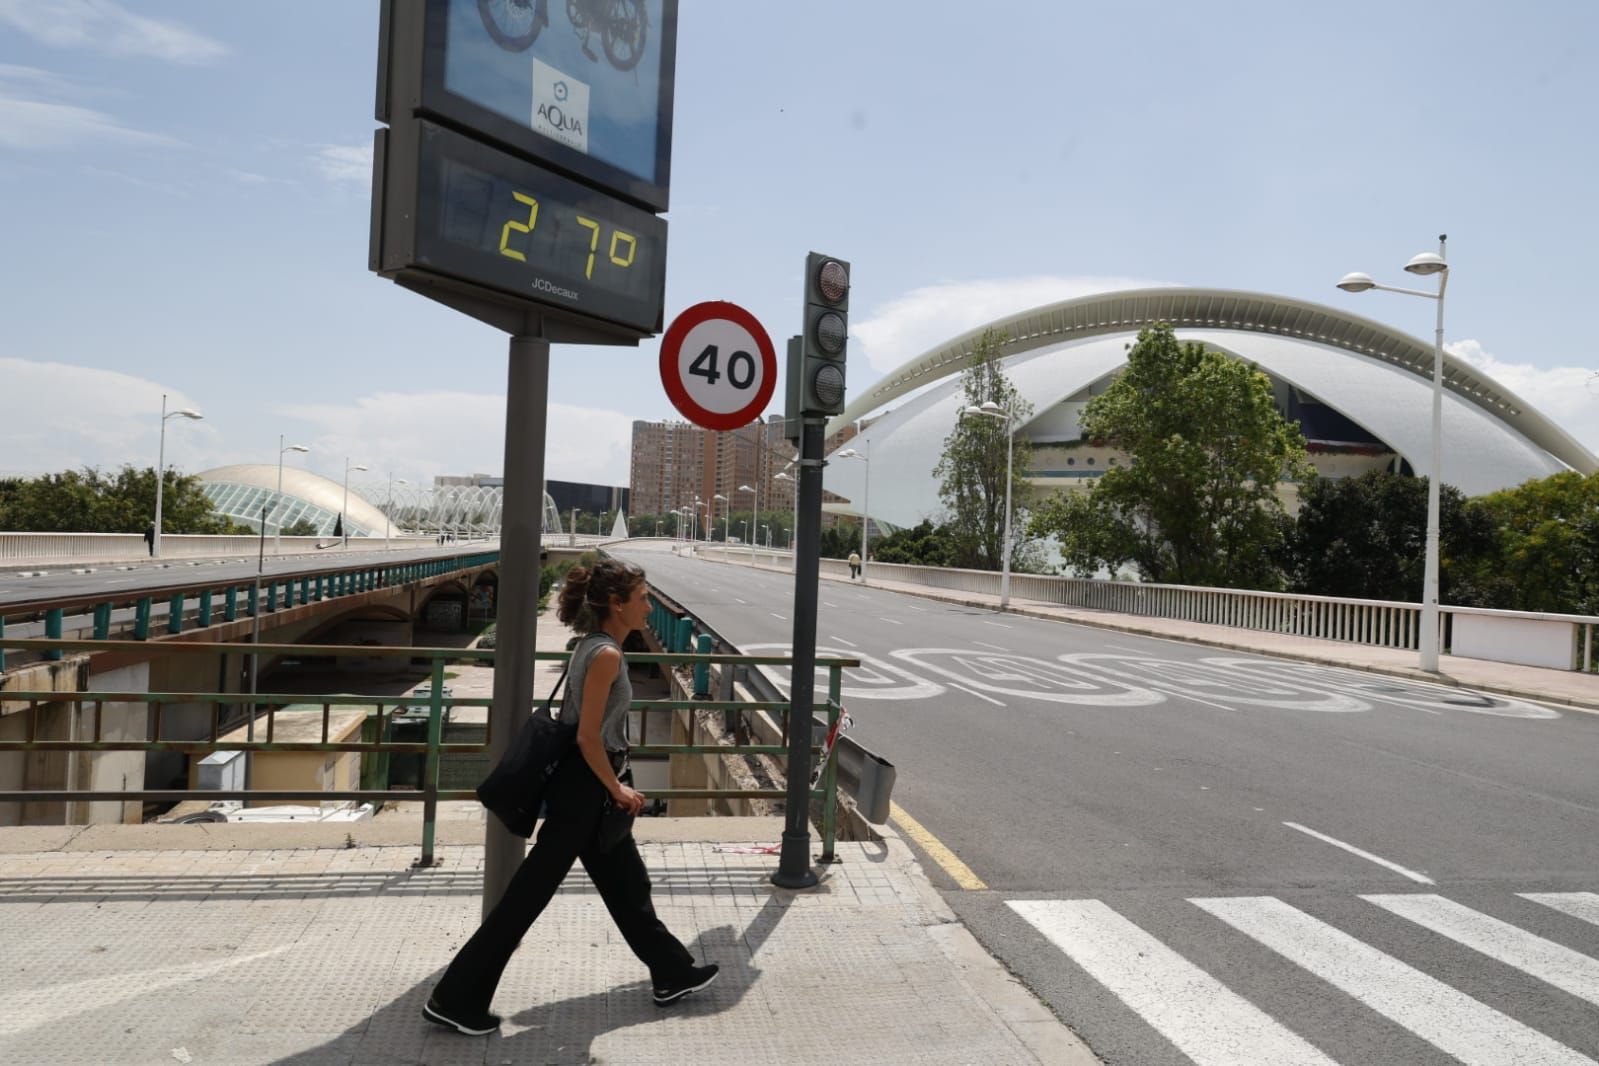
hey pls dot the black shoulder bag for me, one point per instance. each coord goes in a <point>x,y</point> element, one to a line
<point>514,790</point>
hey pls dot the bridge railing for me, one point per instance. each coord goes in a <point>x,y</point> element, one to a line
<point>1559,641</point>
<point>71,549</point>
<point>170,608</point>
<point>261,710</point>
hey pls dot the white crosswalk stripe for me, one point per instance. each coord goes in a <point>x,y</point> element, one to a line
<point>1584,905</point>
<point>1208,1022</point>
<point>1214,1026</point>
<point>1567,970</point>
<point>1448,1019</point>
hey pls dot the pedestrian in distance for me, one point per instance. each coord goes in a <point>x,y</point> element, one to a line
<point>149,538</point>
<point>854,565</point>
<point>590,802</point>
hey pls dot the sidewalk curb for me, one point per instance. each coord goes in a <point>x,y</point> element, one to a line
<point>1037,1027</point>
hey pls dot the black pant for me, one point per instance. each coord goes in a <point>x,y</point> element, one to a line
<point>575,799</point>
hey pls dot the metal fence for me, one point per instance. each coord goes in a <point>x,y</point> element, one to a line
<point>90,720</point>
<point>1380,623</point>
<point>71,549</point>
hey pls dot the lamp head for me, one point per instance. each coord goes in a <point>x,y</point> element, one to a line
<point>188,412</point>
<point>297,448</point>
<point>849,453</point>
<point>1426,263</point>
<point>1356,282</point>
<point>989,407</point>
<point>745,488</point>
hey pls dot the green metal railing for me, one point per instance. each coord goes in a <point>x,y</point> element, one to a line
<point>202,604</point>
<point>33,703</point>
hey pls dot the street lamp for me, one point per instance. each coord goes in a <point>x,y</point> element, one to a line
<point>161,468</point>
<point>727,517</point>
<point>575,512</point>
<point>277,536</point>
<point>866,502</point>
<point>1425,264</point>
<point>754,516</point>
<point>784,475</point>
<point>990,409</point>
<point>388,534</point>
<point>768,530</point>
<point>345,517</point>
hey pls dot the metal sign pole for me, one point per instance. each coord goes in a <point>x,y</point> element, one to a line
<point>794,861</point>
<point>516,631</point>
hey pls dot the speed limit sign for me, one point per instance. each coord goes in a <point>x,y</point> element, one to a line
<point>718,365</point>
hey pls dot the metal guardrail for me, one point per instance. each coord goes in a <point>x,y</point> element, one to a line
<point>170,608</point>
<point>68,549</point>
<point>1379,623</point>
<point>433,749</point>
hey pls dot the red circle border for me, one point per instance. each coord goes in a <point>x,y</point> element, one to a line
<point>671,348</point>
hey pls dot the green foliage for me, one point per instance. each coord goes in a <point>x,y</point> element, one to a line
<point>923,544</point>
<point>1198,505</point>
<point>300,527</point>
<point>89,501</point>
<point>1546,556</point>
<point>971,470</point>
<point>838,542</point>
<point>1366,538</point>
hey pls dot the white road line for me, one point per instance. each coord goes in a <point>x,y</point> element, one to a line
<point>1584,905</point>
<point>737,600</point>
<point>986,622</point>
<point>1181,694</point>
<point>824,603</point>
<point>841,640</point>
<point>1450,1020</point>
<point>1422,879</point>
<point>891,621</point>
<point>1570,971</point>
<point>985,644</point>
<point>1210,1023</point>
<point>913,607</point>
<point>777,616</point>
<point>974,692</point>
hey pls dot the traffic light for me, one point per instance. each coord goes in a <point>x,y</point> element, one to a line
<point>826,335</point>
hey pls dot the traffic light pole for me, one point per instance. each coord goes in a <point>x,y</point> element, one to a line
<point>516,626</point>
<point>794,860</point>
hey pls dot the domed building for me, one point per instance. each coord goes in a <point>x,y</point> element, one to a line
<point>1360,391</point>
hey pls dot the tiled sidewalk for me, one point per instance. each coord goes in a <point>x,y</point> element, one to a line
<point>325,956</point>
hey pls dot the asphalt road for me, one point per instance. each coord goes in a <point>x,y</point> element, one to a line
<point>1202,856</point>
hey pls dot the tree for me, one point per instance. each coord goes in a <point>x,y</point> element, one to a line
<point>1547,553</point>
<point>971,470</point>
<point>838,542</point>
<point>300,527</point>
<point>88,501</point>
<point>1198,504</point>
<point>923,544</point>
<point>1366,537</point>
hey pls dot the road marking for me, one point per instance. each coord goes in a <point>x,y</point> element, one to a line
<point>891,621</point>
<point>1422,879</point>
<point>986,622</point>
<point>1583,905</point>
<point>985,644</point>
<point>1450,1020</point>
<point>913,607</point>
<point>958,871</point>
<point>979,695</point>
<point>737,600</point>
<point>824,603</point>
<point>777,616</point>
<point>841,640</point>
<point>1570,971</point>
<point>1210,1023</point>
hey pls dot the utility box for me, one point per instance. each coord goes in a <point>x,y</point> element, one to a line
<point>222,771</point>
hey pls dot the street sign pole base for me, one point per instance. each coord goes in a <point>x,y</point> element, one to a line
<point>804,877</point>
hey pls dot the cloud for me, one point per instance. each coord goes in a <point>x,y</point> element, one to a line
<point>1568,395</point>
<point>419,435</point>
<point>910,325</point>
<point>106,26</point>
<point>38,125</point>
<point>345,162</point>
<point>59,417</point>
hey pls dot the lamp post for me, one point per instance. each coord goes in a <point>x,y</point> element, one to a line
<point>345,516</point>
<point>727,516</point>
<point>866,502</point>
<point>754,516</point>
<point>277,536</point>
<point>768,531</point>
<point>575,512</point>
<point>161,467</point>
<point>784,475</point>
<point>388,535</point>
<point>990,409</point>
<point>744,530</point>
<point>1424,265</point>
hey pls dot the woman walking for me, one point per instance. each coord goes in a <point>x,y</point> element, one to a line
<point>590,803</point>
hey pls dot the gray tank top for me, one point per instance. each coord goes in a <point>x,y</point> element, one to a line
<point>613,731</point>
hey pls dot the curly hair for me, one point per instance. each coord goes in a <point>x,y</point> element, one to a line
<point>585,601</point>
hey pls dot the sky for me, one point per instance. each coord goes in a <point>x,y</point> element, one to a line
<point>185,191</point>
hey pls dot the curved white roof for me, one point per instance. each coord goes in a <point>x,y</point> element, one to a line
<point>1378,378</point>
<point>314,489</point>
<point>1128,311</point>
